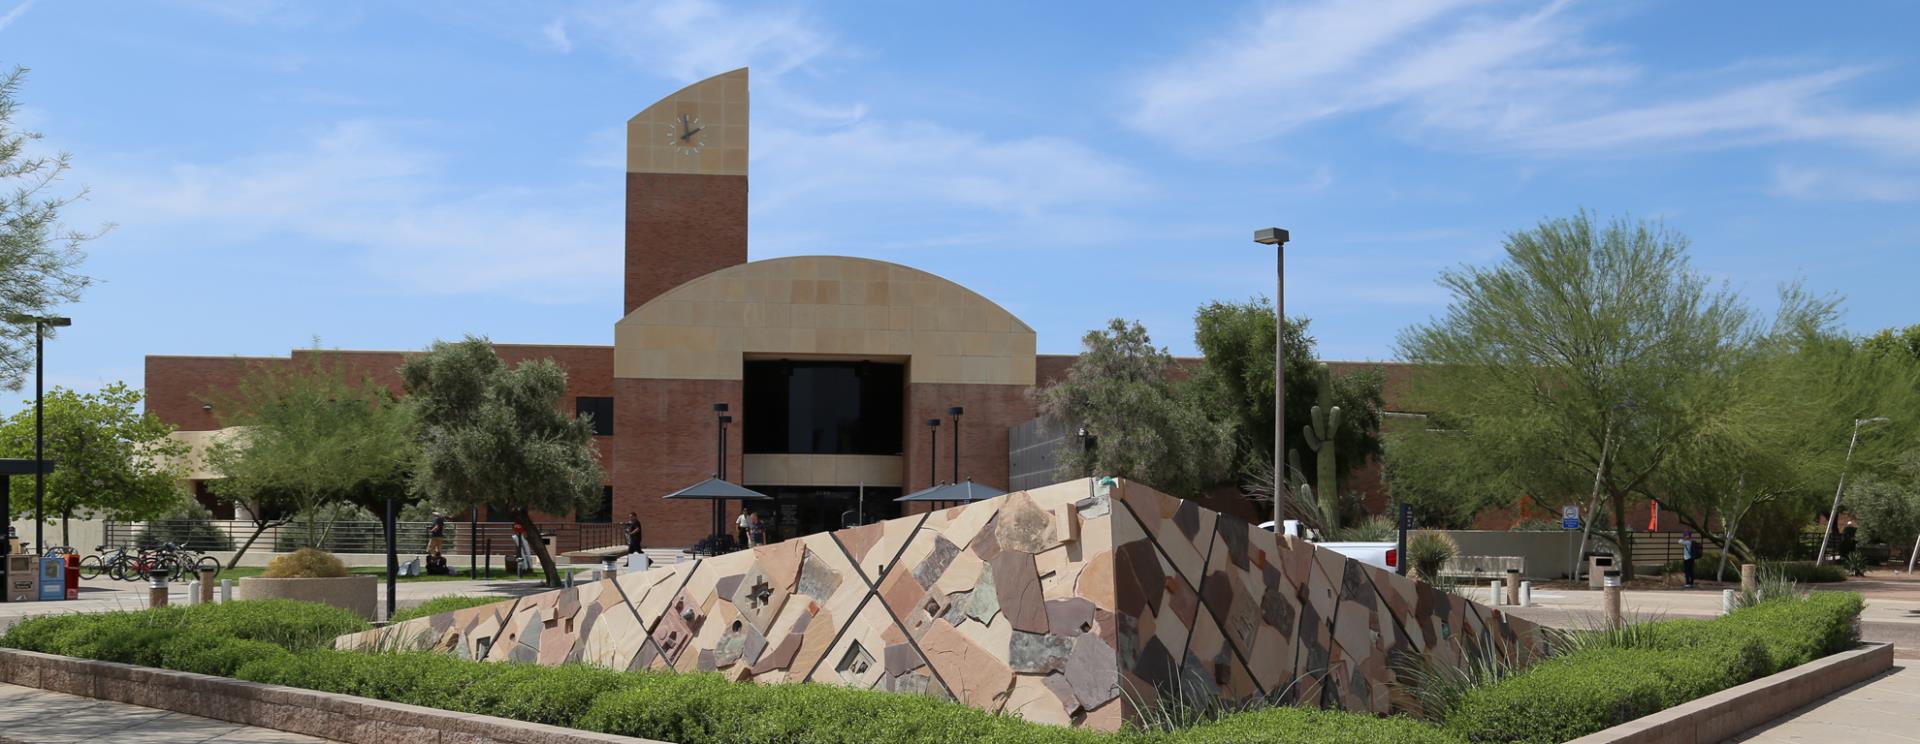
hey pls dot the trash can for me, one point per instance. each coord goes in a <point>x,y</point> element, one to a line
<point>23,578</point>
<point>53,578</point>
<point>1597,566</point>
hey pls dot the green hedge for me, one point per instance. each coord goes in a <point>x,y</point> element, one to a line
<point>289,643</point>
<point>447,603</point>
<point>1590,690</point>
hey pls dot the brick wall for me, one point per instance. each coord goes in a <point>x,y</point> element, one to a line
<point>665,443</point>
<point>681,227</point>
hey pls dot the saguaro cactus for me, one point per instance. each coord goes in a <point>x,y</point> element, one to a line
<point>1321,433</point>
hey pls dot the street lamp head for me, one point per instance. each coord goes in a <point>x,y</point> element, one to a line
<point>1271,236</point>
<point>955,411</point>
<point>1874,420</point>
<point>58,322</point>
<point>933,422</point>
<point>54,321</point>
<point>719,407</point>
<point>726,419</point>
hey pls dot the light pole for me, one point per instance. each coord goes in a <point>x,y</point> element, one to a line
<point>1833,513</point>
<point>955,413</point>
<point>1278,237</point>
<point>40,325</point>
<point>933,452</point>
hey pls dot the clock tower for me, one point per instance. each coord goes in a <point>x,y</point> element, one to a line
<point>686,187</point>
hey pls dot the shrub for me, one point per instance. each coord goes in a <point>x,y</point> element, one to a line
<point>1302,726</point>
<point>215,655</point>
<point>189,525</point>
<point>1428,553</point>
<point>447,603</point>
<point>1608,679</point>
<point>1572,696</point>
<point>1805,572</point>
<point>556,695</point>
<point>305,563</point>
<point>147,637</point>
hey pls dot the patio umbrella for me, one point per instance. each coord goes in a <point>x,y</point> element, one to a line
<point>965,492</point>
<point>718,491</point>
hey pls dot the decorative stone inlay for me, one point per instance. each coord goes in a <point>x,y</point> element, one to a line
<point>1018,587</point>
<point>1090,670</point>
<point>817,579</point>
<point>1007,615</point>
<point>1038,652</point>
<point>976,676</point>
<point>1022,526</point>
<point>854,664</point>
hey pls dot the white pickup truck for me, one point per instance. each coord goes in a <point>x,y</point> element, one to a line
<point>1383,555</point>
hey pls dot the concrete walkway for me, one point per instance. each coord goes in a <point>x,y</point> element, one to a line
<point>1883,709</point>
<point>107,595</point>
<point>32,716</point>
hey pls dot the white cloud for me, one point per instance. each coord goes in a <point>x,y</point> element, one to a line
<point>1517,75</point>
<point>387,205</point>
<point>689,40</point>
<point>1827,183</point>
<point>14,15</point>
<point>556,34</point>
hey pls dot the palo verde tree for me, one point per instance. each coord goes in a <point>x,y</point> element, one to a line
<point>1151,428</point>
<point>306,435</point>
<point>1235,387</point>
<point>115,461</point>
<point>495,436</point>
<point>39,259</point>
<point>1583,340</point>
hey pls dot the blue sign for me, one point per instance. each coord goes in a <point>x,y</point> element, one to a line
<point>1569,524</point>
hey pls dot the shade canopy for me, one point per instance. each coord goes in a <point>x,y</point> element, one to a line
<point>964,491</point>
<point>718,490</point>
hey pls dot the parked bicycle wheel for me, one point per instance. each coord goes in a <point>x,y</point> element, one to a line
<point>207,563</point>
<point>91,567</point>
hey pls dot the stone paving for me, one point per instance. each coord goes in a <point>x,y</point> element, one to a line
<point>1883,709</point>
<point>32,716</point>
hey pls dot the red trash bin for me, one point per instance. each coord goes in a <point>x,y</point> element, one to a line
<point>73,576</point>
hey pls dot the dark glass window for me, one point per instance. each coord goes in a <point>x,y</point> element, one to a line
<point>823,408</point>
<point>601,409</point>
<point>602,512</point>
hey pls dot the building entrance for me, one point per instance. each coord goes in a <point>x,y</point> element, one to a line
<point>797,511</point>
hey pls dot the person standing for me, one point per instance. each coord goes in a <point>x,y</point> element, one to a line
<point>740,525</point>
<point>1689,552</point>
<point>633,532</point>
<point>437,534</point>
<point>756,531</point>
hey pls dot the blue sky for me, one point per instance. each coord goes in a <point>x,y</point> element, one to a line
<point>381,175</point>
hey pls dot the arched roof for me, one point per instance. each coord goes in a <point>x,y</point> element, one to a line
<point>825,307</point>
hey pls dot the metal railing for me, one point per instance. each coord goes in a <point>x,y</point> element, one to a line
<point>225,535</point>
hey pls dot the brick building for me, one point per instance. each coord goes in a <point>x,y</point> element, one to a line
<point>830,366</point>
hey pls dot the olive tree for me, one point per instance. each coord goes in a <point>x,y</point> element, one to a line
<point>496,436</point>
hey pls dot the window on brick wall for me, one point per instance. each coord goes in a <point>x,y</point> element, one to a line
<point>601,409</point>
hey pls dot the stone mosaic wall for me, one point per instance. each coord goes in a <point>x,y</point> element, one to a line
<point>1042,603</point>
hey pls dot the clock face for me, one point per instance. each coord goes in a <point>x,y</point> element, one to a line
<point>687,134</point>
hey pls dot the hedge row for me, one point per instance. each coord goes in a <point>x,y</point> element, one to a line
<point>1590,690</point>
<point>288,643</point>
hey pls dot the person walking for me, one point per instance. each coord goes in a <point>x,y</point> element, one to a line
<point>1689,552</point>
<point>437,534</point>
<point>633,532</point>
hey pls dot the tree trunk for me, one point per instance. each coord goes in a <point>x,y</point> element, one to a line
<point>65,539</point>
<point>1621,539</point>
<point>537,545</point>
<point>258,528</point>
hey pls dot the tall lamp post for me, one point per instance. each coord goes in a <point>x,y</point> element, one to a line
<point>1278,237</point>
<point>1833,513</point>
<point>955,413</point>
<point>40,325</point>
<point>933,452</point>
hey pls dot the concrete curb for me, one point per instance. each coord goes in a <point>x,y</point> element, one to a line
<point>1729,712</point>
<point>345,718</point>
